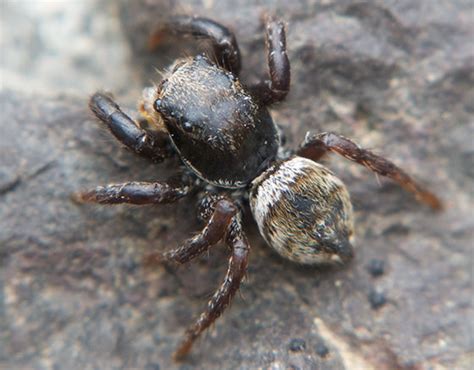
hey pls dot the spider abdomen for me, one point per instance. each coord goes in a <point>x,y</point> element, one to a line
<point>303,211</point>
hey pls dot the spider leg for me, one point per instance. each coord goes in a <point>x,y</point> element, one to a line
<point>316,145</point>
<point>222,213</point>
<point>276,88</point>
<point>223,296</point>
<point>127,131</point>
<point>137,192</point>
<point>223,40</point>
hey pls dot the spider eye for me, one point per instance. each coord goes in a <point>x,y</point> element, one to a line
<point>192,128</point>
<point>157,105</point>
<point>188,127</point>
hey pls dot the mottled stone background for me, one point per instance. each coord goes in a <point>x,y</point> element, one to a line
<point>395,75</point>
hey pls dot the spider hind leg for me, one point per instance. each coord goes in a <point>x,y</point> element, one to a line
<point>317,145</point>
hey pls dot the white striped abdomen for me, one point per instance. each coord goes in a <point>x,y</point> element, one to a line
<point>303,211</point>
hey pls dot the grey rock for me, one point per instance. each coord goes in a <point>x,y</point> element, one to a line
<point>396,76</point>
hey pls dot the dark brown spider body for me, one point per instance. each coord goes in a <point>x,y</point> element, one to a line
<point>218,128</point>
<point>224,134</point>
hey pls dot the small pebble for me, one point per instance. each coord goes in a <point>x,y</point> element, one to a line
<point>322,350</point>
<point>376,267</point>
<point>376,299</point>
<point>297,345</point>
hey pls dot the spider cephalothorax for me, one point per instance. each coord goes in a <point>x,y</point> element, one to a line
<point>215,123</point>
<point>225,136</point>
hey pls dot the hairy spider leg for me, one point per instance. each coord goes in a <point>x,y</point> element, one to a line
<point>316,145</point>
<point>237,268</point>
<point>143,142</point>
<point>223,221</point>
<point>217,225</point>
<point>137,192</point>
<point>223,40</point>
<point>277,87</point>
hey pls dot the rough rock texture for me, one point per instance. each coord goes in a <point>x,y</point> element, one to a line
<point>397,76</point>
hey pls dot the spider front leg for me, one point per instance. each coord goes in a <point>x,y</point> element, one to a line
<point>138,192</point>
<point>316,145</point>
<point>223,40</point>
<point>127,131</point>
<point>275,90</point>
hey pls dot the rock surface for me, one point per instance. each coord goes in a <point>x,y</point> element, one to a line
<point>396,76</point>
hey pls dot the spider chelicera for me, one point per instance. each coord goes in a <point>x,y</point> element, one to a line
<point>231,151</point>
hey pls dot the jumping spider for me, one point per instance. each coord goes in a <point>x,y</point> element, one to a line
<point>230,146</point>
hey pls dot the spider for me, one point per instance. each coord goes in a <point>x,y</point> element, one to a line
<point>232,155</point>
